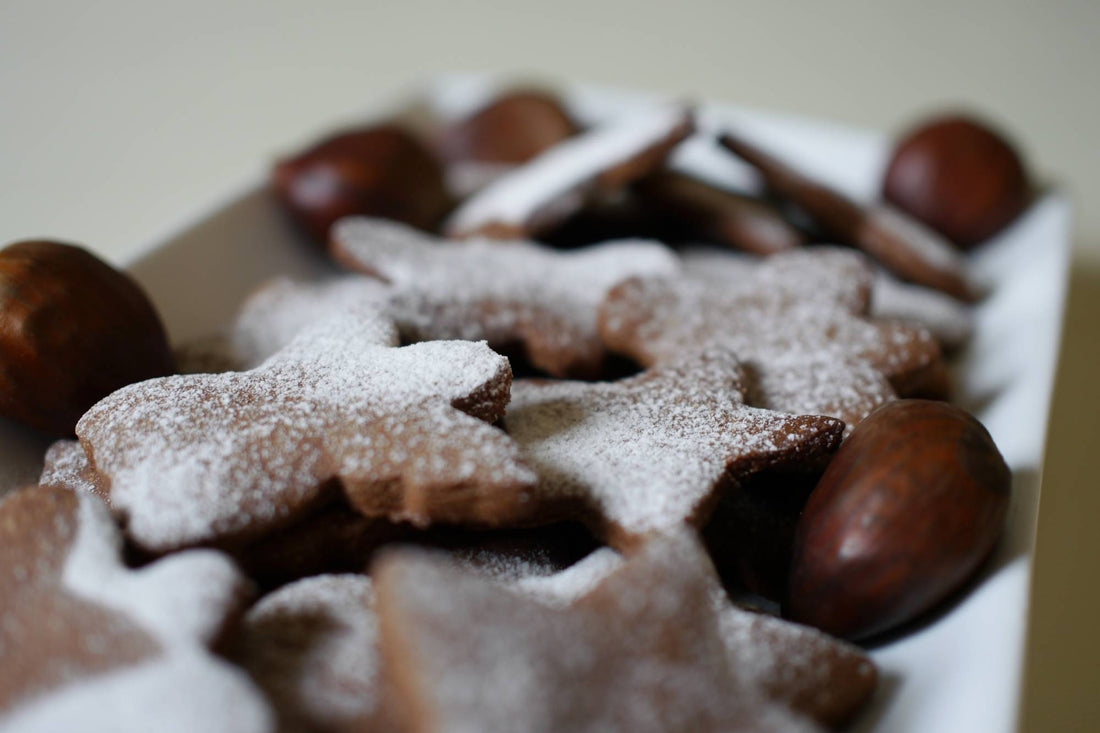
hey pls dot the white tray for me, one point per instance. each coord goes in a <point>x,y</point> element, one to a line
<point>959,672</point>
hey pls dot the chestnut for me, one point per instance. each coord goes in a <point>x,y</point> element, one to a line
<point>382,170</point>
<point>72,330</point>
<point>512,129</point>
<point>906,512</point>
<point>959,176</point>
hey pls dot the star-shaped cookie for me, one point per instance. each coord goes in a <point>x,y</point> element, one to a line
<point>221,458</point>
<point>89,644</point>
<point>645,649</point>
<point>654,451</point>
<point>796,320</point>
<point>507,293</point>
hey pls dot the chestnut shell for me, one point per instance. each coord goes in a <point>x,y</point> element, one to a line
<point>958,176</point>
<point>72,330</point>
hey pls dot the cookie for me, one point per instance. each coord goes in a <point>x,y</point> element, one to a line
<point>508,294</point>
<point>66,467</point>
<point>718,215</point>
<point>898,242</point>
<point>796,320</point>
<point>312,648</point>
<point>645,644</point>
<point>537,196</point>
<point>89,644</point>
<point>655,451</point>
<point>226,458</point>
<point>950,321</point>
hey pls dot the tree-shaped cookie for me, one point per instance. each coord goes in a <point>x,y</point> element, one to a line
<point>507,293</point>
<point>644,650</point>
<point>89,644</point>
<point>655,451</point>
<point>796,320</point>
<point>214,458</point>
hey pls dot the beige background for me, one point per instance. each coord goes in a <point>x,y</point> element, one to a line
<point>120,120</point>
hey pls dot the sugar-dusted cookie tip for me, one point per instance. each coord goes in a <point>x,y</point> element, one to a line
<point>89,644</point>
<point>655,451</point>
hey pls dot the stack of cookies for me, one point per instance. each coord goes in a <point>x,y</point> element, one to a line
<point>535,458</point>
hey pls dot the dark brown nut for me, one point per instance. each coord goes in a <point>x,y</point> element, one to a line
<point>72,330</point>
<point>381,170</point>
<point>513,128</point>
<point>958,176</point>
<point>906,512</point>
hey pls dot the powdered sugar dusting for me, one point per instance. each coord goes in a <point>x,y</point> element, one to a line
<point>197,458</point>
<point>183,602</point>
<point>66,466</point>
<point>520,200</point>
<point>275,313</point>
<point>649,452</point>
<point>638,653</point>
<point>793,319</point>
<point>312,648</point>
<point>499,292</point>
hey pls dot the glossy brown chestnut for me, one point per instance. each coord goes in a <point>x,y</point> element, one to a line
<point>72,330</point>
<point>376,171</point>
<point>958,176</point>
<point>513,128</point>
<point>908,509</point>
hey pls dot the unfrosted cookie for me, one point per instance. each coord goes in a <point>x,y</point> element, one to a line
<point>312,648</point>
<point>645,644</point>
<point>91,645</point>
<point>796,320</point>
<point>536,196</point>
<point>718,215</point>
<point>654,451</point>
<point>950,321</point>
<point>229,457</point>
<point>901,243</point>
<point>506,293</point>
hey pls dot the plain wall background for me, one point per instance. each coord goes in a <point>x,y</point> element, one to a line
<point>119,120</point>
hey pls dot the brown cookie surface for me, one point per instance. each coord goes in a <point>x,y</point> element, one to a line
<point>654,451</point>
<point>505,293</point>
<point>88,642</point>
<point>230,457</point>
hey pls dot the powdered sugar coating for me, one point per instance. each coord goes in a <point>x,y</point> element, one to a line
<point>312,647</point>
<point>794,319</point>
<point>204,458</point>
<point>640,652</point>
<point>504,293</point>
<point>653,452</point>
<point>66,466</point>
<point>276,312</point>
<point>551,187</point>
<point>818,675</point>
<point>135,649</point>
